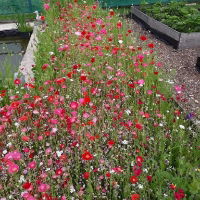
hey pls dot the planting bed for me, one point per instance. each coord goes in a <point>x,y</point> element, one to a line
<point>99,122</point>
<point>178,39</point>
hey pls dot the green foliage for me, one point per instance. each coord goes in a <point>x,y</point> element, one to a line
<point>177,15</point>
<point>22,25</point>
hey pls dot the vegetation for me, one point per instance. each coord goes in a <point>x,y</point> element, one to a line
<point>13,17</point>
<point>99,122</point>
<point>22,25</point>
<point>177,15</point>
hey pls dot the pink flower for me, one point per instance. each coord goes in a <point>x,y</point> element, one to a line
<point>73,105</point>
<point>149,92</point>
<point>141,82</point>
<point>27,196</point>
<point>178,88</point>
<point>46,6</point>
<point>2,127</point>
<point>13,168</point>
<point>59,111</point>
<point>43,187</point>
<point>32,165</point>
<point>15,155</point>
<point>86,115</point>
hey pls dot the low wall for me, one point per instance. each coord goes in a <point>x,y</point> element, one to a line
<point>177,39</point>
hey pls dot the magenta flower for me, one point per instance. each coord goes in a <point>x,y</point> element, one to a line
<point>43,187</point>
<point>46,6</point>
<point>13,168</point>
<point>32,165</point>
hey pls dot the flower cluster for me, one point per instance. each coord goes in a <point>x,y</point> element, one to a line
<point>98,122</point>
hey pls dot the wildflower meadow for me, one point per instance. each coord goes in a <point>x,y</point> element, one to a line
<point>99,120</point>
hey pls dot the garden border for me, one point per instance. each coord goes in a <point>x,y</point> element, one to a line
<point>179,40</point>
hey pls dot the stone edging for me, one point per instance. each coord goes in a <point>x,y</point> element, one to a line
<point>28,62</point>
<point>177,39</point>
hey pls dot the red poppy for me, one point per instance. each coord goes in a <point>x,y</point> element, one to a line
<point>172,186</point>
<point>86,175</point>
<point>139,126</point>
<point>143,38</point>
<point>135,197</point>
<point>149,178</point>
<point>139,159</point>
<point>42,18</point>
<point>26,185</point>
<point>87,156</point>
<point>110,143</point>
<point>59,172</point>
<point>17,81</point>
<point>112,13</point>
<point>179,195</point>
<point>133,179</point>
<point>151,45</point>
<point>108,175</point>
<point>119,24</point>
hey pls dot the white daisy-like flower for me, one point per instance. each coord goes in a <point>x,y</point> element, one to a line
<point>181,126</point>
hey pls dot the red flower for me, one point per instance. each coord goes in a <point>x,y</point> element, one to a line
<point>59,172</point>
<point>87,156</point>
<point>133,179</point>
<point>139,126</point>
<point>143,38</point>
<point>172,186</point>
<point>179,195</point>
<point>26,185</point>
<point>149,178</point>
<point>86,175</point>
<point>151,45</point>
<point>17,81</point>
<point>108,175</point>
<point>119,24</point>
<point>110,143</point>
<point>139,159</point>
<point>135,196</point>
<point>112,13</point>
<point>42,18</point>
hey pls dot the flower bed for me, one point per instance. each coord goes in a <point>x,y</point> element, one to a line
<point>177,15</point>
<point>176,24</point>
<point>99,121</point>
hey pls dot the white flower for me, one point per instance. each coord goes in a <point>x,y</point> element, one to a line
<point>78,33</point>
<point>120,41</point>
<point>182,127</point>
<point>128,112</point>
<point>59,153</point>
<point>21,179</point>
<point>140,186</point>
<point>16,124</point>
<point>5,151</point>
<point>72,189</point>
<point>124,142</point>
<point>54,130</point>
<point>9,144</point>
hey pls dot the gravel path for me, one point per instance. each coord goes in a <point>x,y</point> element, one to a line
<point>179,65</point>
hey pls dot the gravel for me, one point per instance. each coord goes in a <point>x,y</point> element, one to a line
<point>179,65</point>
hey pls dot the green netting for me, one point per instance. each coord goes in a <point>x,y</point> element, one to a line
<point>19,6</point>
<point>117,3</point>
